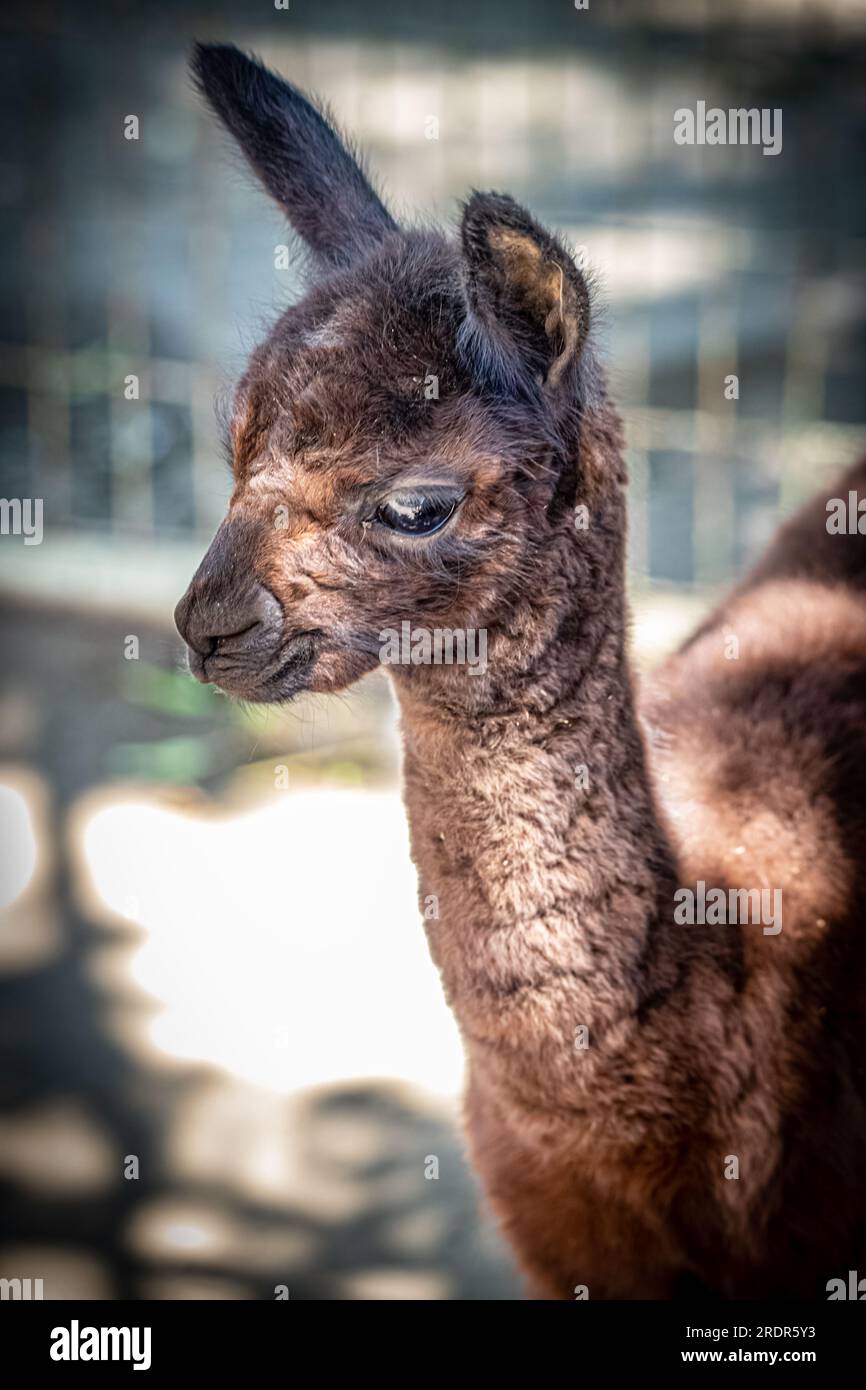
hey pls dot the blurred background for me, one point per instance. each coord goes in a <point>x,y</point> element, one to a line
<point>225,1066</point>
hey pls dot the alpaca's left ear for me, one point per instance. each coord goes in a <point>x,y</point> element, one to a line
<point>297,154</point>
<point>528,302</point>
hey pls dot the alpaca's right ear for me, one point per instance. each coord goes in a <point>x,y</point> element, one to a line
<point>296,153</point>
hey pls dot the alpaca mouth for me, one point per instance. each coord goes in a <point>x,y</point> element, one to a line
<point>286,676</point>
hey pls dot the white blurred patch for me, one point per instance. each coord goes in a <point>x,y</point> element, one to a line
<point>17,845</point>
<point>284,945</point>
<point>29,928</point>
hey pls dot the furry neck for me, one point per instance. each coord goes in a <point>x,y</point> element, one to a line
<point>544,872</point>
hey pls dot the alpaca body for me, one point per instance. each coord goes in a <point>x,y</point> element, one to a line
<point>610,1165</point>
<point>656,1108</point>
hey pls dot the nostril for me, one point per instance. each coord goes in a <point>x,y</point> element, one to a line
<point>266,609</point>
<point>210,625</point>
<point>232,639</point>
<point>255,621</point>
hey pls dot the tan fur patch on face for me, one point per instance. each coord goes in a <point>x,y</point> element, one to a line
<point>250,426</point>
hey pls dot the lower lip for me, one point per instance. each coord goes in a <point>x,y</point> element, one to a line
<point>272,686</point>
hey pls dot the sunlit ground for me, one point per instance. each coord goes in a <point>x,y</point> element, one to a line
<point>19,845</point>
<point>285,944</point>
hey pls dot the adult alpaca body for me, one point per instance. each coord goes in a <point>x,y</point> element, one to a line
<point>556,818</point>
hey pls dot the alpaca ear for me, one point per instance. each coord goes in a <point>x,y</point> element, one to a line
<point>528,302</point>
<point>296,153</point>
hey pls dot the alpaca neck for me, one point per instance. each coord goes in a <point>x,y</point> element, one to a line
<point>544,873</point>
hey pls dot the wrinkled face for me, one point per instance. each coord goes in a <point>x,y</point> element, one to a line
<point>392,443</point>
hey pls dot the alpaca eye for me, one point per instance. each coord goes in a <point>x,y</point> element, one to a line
<point>414,514</point>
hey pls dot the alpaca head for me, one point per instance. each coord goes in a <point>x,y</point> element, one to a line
<point>404,442</point>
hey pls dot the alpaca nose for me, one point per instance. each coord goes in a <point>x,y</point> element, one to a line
<point>214,621</point>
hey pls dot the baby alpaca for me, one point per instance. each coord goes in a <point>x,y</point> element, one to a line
<point>659,1104</point>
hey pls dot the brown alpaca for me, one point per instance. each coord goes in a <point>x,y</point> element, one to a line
<point>622,1064</point>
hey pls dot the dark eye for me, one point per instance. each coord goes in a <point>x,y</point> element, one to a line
<point>415,513</point>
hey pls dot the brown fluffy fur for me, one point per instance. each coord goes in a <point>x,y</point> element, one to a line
<point>606,1165</point>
